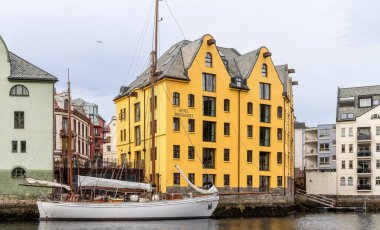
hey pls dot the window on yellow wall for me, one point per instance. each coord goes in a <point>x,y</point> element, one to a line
<point>279,112</point>
<point>208,60</point>
<point>264,70</point>
<point>191,177</point>
<point>264,91</point>
<point>176,99</point>
<point>176,179</point>
<point>249,180</point>
<point>190,100</point>
<point>226,105</point>
<point>250,108</point>
<point>208,82</point>
<point>137,111</point>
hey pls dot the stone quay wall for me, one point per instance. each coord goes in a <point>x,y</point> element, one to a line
<point>18,207</point>
<point>371,202</point>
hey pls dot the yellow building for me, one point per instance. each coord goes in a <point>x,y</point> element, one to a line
<point>229,112</point>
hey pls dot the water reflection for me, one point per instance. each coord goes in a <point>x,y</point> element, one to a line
<point>318,221</point>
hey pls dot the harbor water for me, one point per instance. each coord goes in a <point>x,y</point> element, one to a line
<point>317,221</point>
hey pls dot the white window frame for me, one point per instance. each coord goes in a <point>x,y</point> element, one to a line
<point>342,181</point>
<point>365,102</point>
<point>343,132</point>
<point>350,181</point>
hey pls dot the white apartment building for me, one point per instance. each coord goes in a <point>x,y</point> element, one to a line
<point>358,141</point>
<point>26,123</point>
<point>109,147</point>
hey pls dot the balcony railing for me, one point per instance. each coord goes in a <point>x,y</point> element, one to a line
<point>364,153</point>
<point>138,164</point>
<point>364,137</point>
<point>364,170</point>
<point>364,187</point>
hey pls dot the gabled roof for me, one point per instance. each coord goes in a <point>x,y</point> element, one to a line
<point>246,62</point>
<point>23,70</point>
<point>175,62</point>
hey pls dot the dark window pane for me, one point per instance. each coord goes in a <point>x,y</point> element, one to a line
<point>191,100</point>
<point>226,105</point>
<point>249,156</point>
<point>264,91</point>
<point>14,146</point>
<point>227,129</point>
<point>265,113</point>
<point>226,155</point>
<point>209,158</point>
<point>208,82</point>
<point>176,151</point>
<point>176,98</point>
<point>209,129</point>
<point>279,112</point>
<point>18,120</point>
<point>264,161</point>
<point>249,108</point>
<point>264,184</point>
<point>176,179</point>
<point>191,152</point>
<point>209,106</point>
<point>264,136</point>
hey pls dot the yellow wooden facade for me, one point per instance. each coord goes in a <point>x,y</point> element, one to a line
<point>237,141</point>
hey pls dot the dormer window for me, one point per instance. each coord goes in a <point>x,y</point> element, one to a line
<point>208,60</point>
<point>264,70</point>
<point>375,116</point>
<point>19,90</point>
<point>238,82</point>
<point>365,102</point>
<point>347,116</point>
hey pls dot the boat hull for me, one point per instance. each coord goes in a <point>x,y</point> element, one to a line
<point>197,207</point>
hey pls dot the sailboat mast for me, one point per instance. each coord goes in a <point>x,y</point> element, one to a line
<point>152,101</point>
<point>70,134</point>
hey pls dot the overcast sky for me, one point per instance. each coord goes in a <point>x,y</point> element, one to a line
<point>330,43</point>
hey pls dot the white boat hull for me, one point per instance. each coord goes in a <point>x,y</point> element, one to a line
<point>197,207</point>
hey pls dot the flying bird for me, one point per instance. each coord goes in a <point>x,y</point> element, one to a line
<point>99,42</point>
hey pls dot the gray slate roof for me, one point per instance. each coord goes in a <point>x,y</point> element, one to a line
<point>23,70</point>
<point>356,92</point>
<point>178,58</point>
<point>299,125</point>
<point>282,71</point>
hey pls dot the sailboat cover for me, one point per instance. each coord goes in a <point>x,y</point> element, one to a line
<point>88,181</point>
<point>44,183</point>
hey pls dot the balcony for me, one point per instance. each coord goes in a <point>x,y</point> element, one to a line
<point>364,134</point>
<point>323,165</point>
<point>364,153</point>
<point>137,164</point>
<point>311,154</point>
<point>363,170</point>
<point>315,139</point>
<point>364,187</point>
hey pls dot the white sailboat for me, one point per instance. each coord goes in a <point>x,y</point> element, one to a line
<point>149,207</point>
